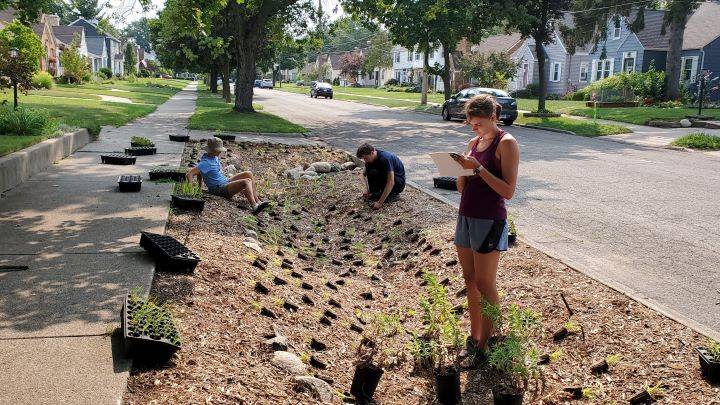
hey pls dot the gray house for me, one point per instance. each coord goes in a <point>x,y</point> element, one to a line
<point>626,51</point>
<point>113,55</point>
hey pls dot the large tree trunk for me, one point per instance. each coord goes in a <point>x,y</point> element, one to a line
<point>426,66</point>
<point>674,58</point>
<point>246,77</point>
<point>542,77</point>
<point>226,80</point>
<point>446,72</point>
<point>213,80</point>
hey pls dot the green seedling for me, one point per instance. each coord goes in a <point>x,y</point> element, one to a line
<point>656,390</point>
<point>572,326</point>
<point>305,357</point>
<point>713,346</point>
<point>189,190</point>
<point>141,141</point>
<point>591,392</point>
<point>613,359</point>
<point>557,355</point>
<point>255,305</point>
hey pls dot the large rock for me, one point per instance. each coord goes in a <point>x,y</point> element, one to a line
<point>295,172</point>
<point>289,362</point>
<point>320,389</point>
<point>348,166</point>
<point>685,123</point>
<point>321,167</point>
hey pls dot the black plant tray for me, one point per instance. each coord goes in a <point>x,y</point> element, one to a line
<point>117,159</point>
<point>226,137</point>
<point>143,346</point>
<point>129,182</point>
<point>512,238</point>
<point>141,145</point>
<point>166,175</point>
<point>170,255</point>
<point>709,366</point>
<point>187,203</point>
<point>179,138</point>
<point>447,183</point>
<point>140,151</point>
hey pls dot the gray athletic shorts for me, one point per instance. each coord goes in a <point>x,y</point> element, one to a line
<point>481,235</point>
<point>221,191</point>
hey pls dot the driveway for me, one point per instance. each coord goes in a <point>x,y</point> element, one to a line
<point>643,220</point>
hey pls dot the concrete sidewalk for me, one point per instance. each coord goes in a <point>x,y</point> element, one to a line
<point>78,237</point>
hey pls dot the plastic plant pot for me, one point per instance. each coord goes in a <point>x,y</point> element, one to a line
<point>169,254</point>
<point>447,183</point>
<point>709,365</point>
<point>117,159</point>
<point>137,343</point>
<point>140,151</point>
<point>226,137</point>
<point>129,183</point>
<point>187,203</point>
<point>447,386</point>
<point>512,238</point>
<point>365,381</point>
<point>179,138</point>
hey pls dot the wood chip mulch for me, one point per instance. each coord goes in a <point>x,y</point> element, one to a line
<point>224,359</point>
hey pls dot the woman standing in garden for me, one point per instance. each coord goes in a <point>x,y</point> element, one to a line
<point>482,226</point>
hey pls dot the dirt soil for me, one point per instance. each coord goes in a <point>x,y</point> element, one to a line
<point>224,358</point>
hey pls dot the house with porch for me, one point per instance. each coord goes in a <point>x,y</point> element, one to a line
<point>112,57</point>
<point>44,31</point>
<point>408,66</point>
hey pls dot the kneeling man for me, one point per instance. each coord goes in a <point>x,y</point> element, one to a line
<point>384,173</point>
<point>210,170</point>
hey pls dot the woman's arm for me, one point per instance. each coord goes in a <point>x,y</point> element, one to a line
<point>462,180</point>
<point>509,161</point>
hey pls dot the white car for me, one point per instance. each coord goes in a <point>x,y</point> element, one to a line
<point>266,84</point>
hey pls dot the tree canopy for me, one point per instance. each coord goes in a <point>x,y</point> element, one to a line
<point>21,69</point>
<point>139,31</point>
<point>27,10</point>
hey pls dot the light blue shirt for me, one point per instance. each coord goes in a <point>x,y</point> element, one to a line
<point>211,172</point>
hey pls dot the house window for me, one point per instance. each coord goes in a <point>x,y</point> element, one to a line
<point>602,68</point>
<point>583,72</point>
<point>397,75</point>
<point>617,29</point>
<point>555,72</point>
<point>629,61</point>
<point>418,55</point>
<point>397,57</point>
<point>409,59</point>
<point>689,67</point>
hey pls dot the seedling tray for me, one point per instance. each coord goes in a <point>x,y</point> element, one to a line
<point>117,159</point>
<point>226,137</point>
<point>129,183</point>
<point>141,145</point>
<point>137,344</point>
<point>170,255</point>
<point>709,366</point>
<point>447,183</point>
<point>169,173</point>
<point>140,151</point>
<point>179,138</point>
<point>187,203</point>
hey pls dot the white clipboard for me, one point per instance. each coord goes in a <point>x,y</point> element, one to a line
<point>447,166</point>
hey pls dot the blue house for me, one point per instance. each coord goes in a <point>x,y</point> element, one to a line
<point>626,51</point>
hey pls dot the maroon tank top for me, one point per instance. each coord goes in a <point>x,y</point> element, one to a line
<point>479,200</point>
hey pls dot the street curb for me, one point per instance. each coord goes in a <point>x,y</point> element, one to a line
<point>19,166</point>
<point>570,263</point>
<point>561,131</point>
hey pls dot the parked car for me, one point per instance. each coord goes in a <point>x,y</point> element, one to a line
<point>321,89</point>
<point>258,83</point>
<point>266,84</point>
<point>455,106</point>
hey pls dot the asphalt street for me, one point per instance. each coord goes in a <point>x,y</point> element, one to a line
<point>642,220</point>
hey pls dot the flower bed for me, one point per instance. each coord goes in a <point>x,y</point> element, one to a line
<point>329,266</point>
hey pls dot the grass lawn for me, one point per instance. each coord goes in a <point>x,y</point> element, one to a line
<point>80,107</point>
<point>698,140</point>
<point>369,95</point>
<point>641,115</point>
<point>579,127</point>
<point>558,106</point>
<point>213,113</point>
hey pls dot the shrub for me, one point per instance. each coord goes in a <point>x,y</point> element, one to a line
<point>145,73</point>
<point>87,76</point>
<point>75,66</point>
<point>24,121</point>
<point>490,70</point>
<point>131,78</point>
<point>391,82</point>
<point>105,73</point>
<point>42,80</point>
<point>336,81</point>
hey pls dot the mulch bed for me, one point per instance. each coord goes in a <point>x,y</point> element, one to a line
<point>224,358</point>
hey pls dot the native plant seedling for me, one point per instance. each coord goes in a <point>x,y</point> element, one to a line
<point>613,359</point>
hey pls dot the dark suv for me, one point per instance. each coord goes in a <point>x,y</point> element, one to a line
<point>455,106</point>
<point>321,89</point>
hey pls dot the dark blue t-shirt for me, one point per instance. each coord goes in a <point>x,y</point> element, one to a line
<point>387,162</point>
